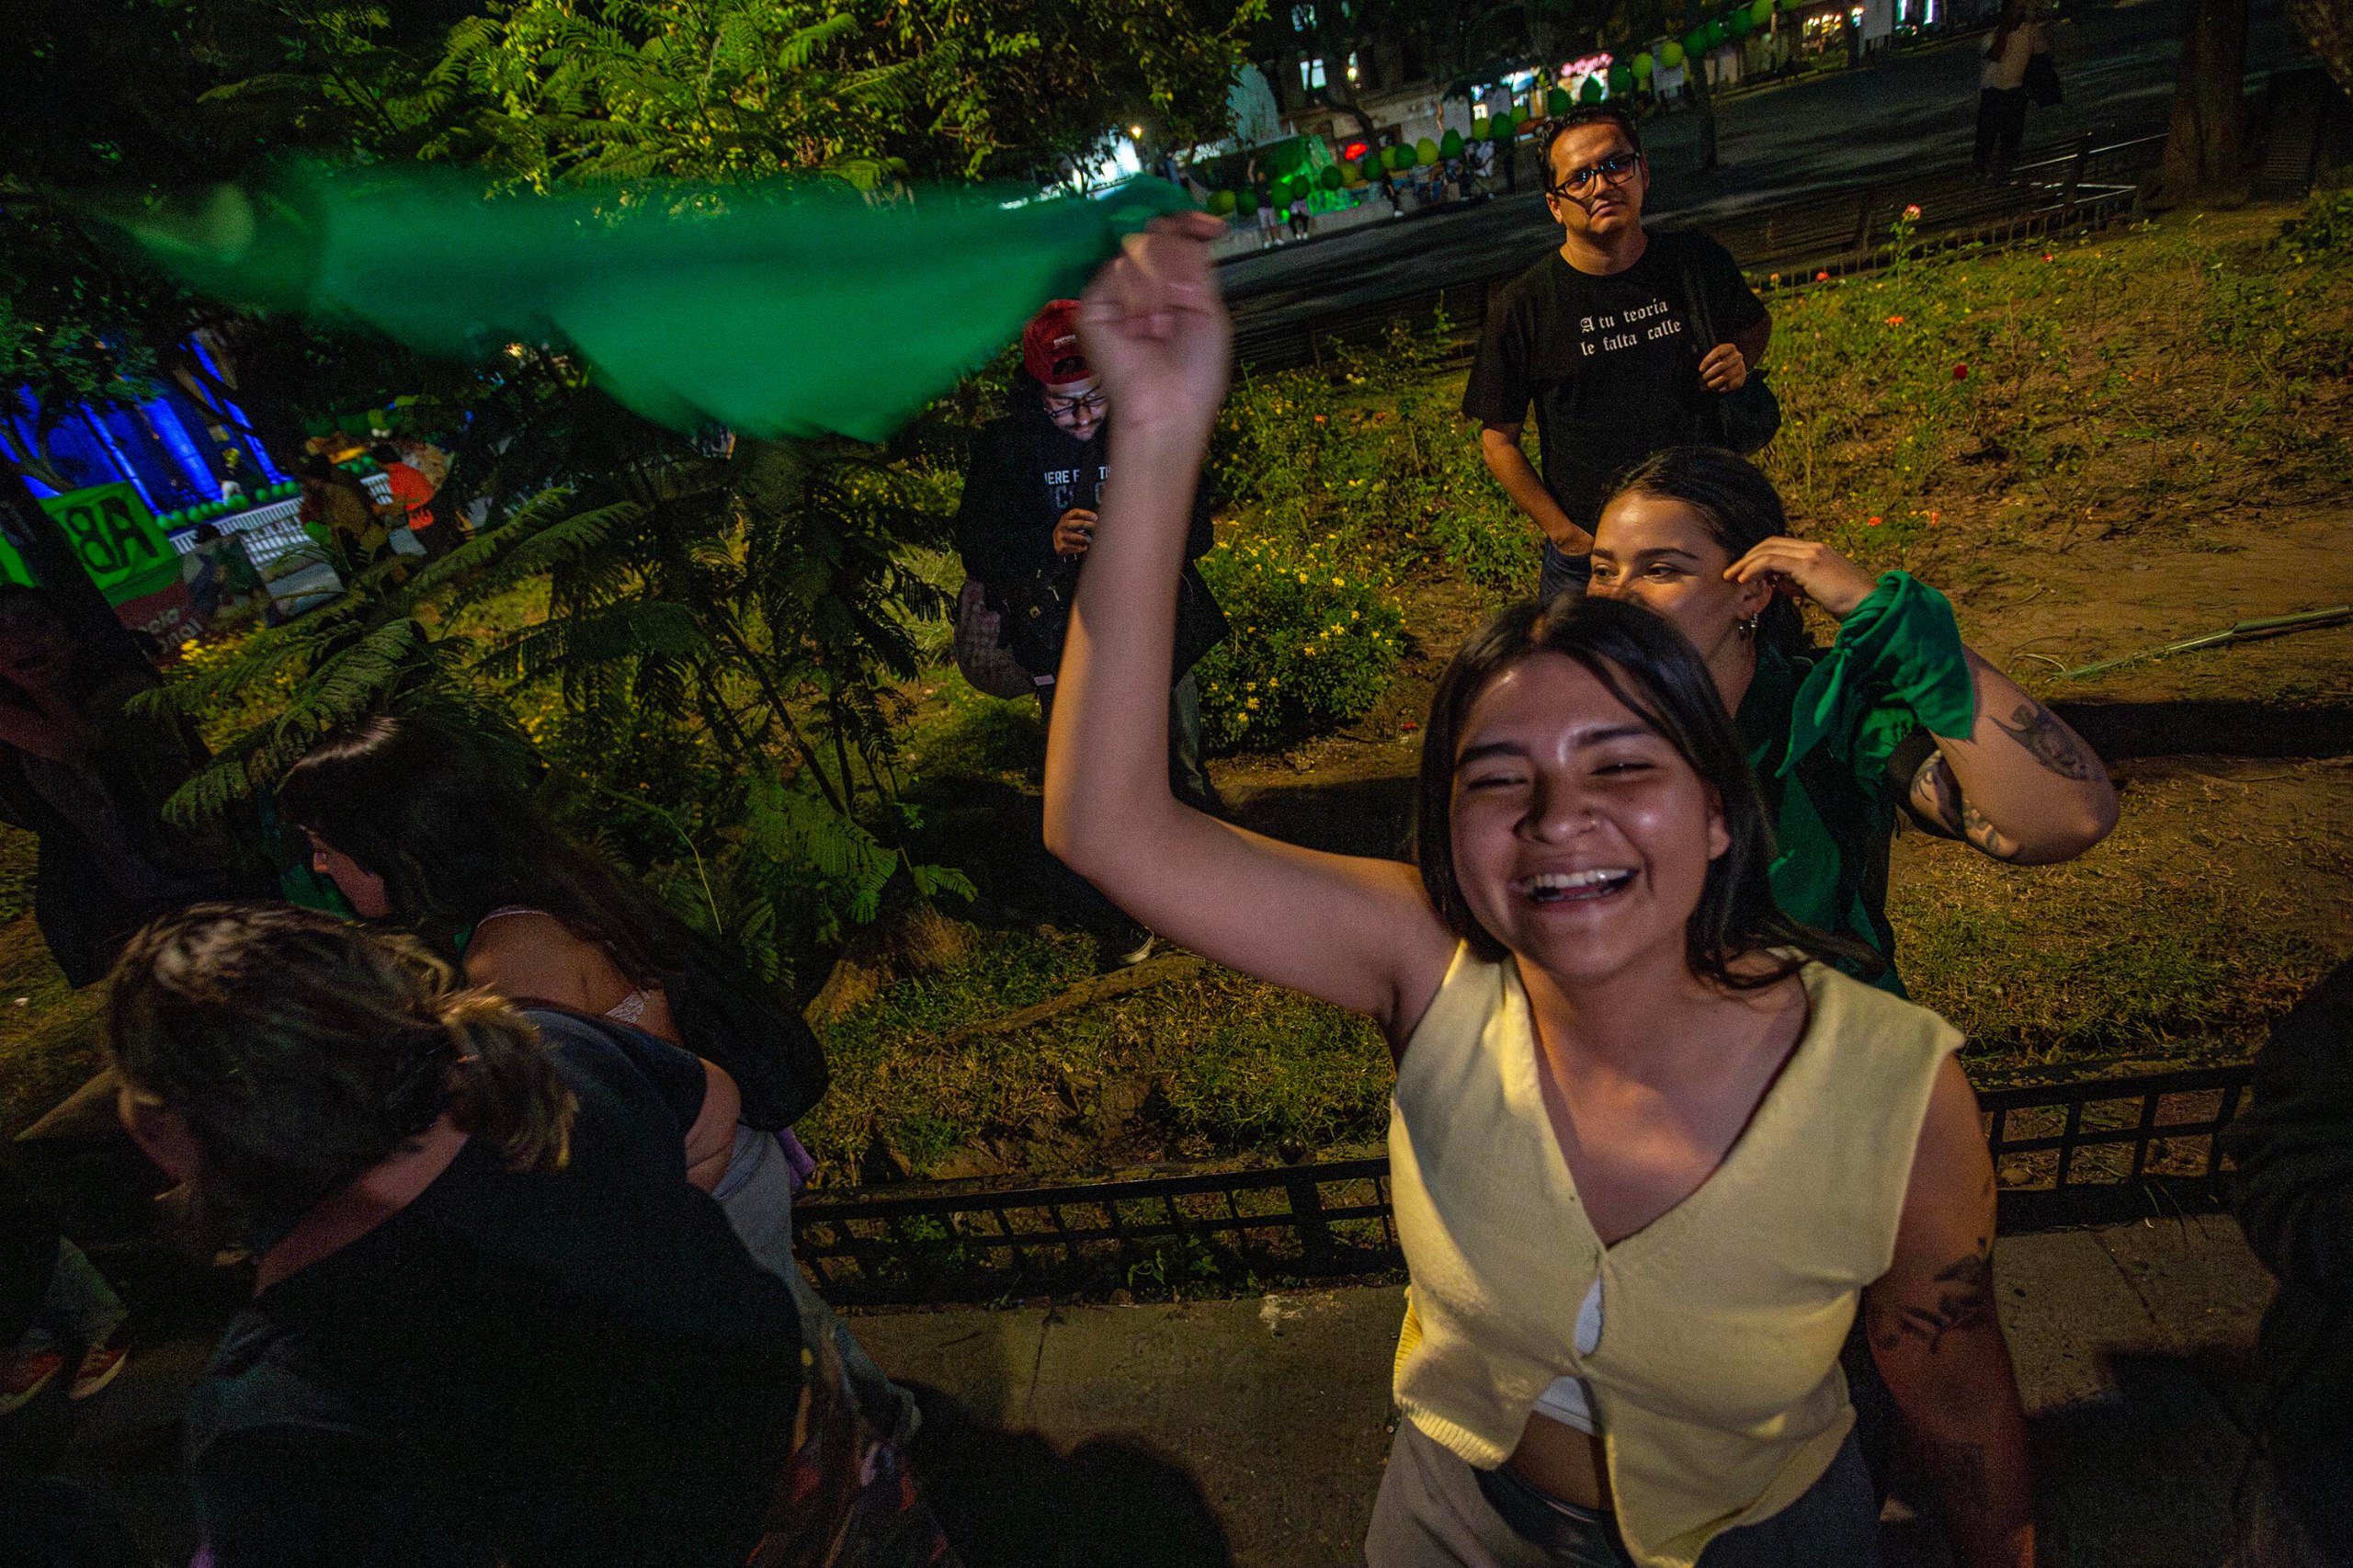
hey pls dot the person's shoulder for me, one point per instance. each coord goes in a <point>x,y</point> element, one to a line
<point>1859,1016</point>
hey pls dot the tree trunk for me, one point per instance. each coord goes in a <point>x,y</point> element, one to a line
<point>84,610</point>
<point>2327,26</point>
<point>2204,155</point>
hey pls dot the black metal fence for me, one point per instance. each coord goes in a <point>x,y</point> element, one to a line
<point>2072,1154</point>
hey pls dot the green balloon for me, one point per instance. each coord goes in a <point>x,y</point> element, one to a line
<point>1396,156</point>
<point>1644,65</point>
<point>1695,41</point>
<point>1592,92</point>
<point>1450,144</point>
<point>1670,54</point>
<point>1760,15</point>
<point>1739,24</point>
<point>1426,151</point>
<point>1622,80</point>
<point>1329,177</point>
<point>1556,103</point>
<point>1715,35</point>
<point>1222,203</point>
<point>1483,130</point>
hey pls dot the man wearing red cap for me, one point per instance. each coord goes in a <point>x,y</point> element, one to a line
<point>1025,524</point>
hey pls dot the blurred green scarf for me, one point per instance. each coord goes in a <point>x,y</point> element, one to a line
<point>787,310</point>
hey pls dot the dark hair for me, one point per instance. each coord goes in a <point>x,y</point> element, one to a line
<point>446,822</point>
<point>385,452</point>
<point>1648,665</point>
<point>301,1050</point>
<point>1578,119</point>
<point>1740,508</point>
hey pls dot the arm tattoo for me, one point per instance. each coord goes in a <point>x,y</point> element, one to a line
<point>1964,1299</point>
<point>1934,798</point>
<point>1989,839</point>
<point>2048,742</point>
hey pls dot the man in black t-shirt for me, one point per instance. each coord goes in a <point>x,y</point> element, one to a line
<point>1598,337</point>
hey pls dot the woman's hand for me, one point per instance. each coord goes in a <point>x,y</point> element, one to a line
<point>1816,571</point>
<point>1155,330</point>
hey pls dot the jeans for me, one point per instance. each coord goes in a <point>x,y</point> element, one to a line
<point>1562,573</point>
<point>1435,1511</point>
<point>79,1307</point>
<point>2001,126</point>
<point>1186,777</point>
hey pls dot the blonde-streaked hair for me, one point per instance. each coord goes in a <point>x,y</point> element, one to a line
<point>301,1050</point>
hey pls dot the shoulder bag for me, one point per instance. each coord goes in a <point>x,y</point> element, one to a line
<point>1749,417</point>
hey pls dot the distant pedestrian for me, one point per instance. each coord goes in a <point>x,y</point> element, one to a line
<point>1482,156</point>
<point>2002,90</point>
<point>413,497</point>
<point>1300,222</point>
<point>1598,338</point>
<point>1270,235</point>
<point>1389,189</point>
<point>337,501</point>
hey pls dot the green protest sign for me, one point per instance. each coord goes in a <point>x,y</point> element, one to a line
<point>117,539</point>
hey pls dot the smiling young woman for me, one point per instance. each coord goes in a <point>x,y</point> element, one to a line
<point>1897,713</point>
<point>1649,1154</point>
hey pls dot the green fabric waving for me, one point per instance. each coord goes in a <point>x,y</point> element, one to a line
<point>780,311</point>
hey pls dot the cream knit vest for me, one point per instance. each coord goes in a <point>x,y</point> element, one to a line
<point>1716,1379</point>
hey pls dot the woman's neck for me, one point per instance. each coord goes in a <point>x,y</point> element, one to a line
<point>1655,1022</point>
<point>1733,664</point>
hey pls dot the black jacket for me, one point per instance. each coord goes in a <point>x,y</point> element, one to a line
<point>1024,472</point>
<point>2294,1197</point>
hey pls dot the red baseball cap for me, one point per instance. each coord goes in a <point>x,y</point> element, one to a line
<point>1049,349</point>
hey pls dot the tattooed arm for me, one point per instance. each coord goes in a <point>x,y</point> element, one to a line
<point>1939,1345</point>
<point>2023,787</point>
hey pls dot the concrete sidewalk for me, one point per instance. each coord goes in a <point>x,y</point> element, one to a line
<point>1260,1426</point>
<point>1252,1432</point>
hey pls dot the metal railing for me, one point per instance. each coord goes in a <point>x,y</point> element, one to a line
<point>2070,1154</point>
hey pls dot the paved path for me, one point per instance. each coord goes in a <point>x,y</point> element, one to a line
<point>1252,1432</point>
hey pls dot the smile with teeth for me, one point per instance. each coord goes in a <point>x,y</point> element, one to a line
<point>1571,887</point>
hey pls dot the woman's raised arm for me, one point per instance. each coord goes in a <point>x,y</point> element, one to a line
<point>2021,786</point>
<point>1355,931</point>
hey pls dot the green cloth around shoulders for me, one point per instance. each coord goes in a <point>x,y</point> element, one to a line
<point>1821,731</point>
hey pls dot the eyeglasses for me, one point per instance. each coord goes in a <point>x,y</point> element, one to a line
<point>1092,401</point>
<point>1614,170</point>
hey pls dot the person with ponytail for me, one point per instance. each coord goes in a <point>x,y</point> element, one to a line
<point>1897,713</point>
<point>497,1315</point>
<point>491,1313</point>
<point>427,831</point>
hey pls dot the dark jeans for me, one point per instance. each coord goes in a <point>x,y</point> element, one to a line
<point>1187,780</point>
<point>2001,126</point>
<point>1562,573</point>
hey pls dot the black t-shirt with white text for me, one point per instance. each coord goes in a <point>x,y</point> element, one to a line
<point>1610,362</point>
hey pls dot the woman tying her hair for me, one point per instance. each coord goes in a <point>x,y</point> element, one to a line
<point>494,1319</point>
<point>1649,1154</point>
<point>420,828</point>
<point>1896,713</point>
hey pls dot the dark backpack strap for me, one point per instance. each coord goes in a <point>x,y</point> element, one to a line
<point>1695,315</point>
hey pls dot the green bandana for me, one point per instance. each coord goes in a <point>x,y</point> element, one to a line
<point>779,311</point>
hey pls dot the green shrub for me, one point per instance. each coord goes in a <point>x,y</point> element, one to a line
<point>2323,231</point>
<point>1312,644</point>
